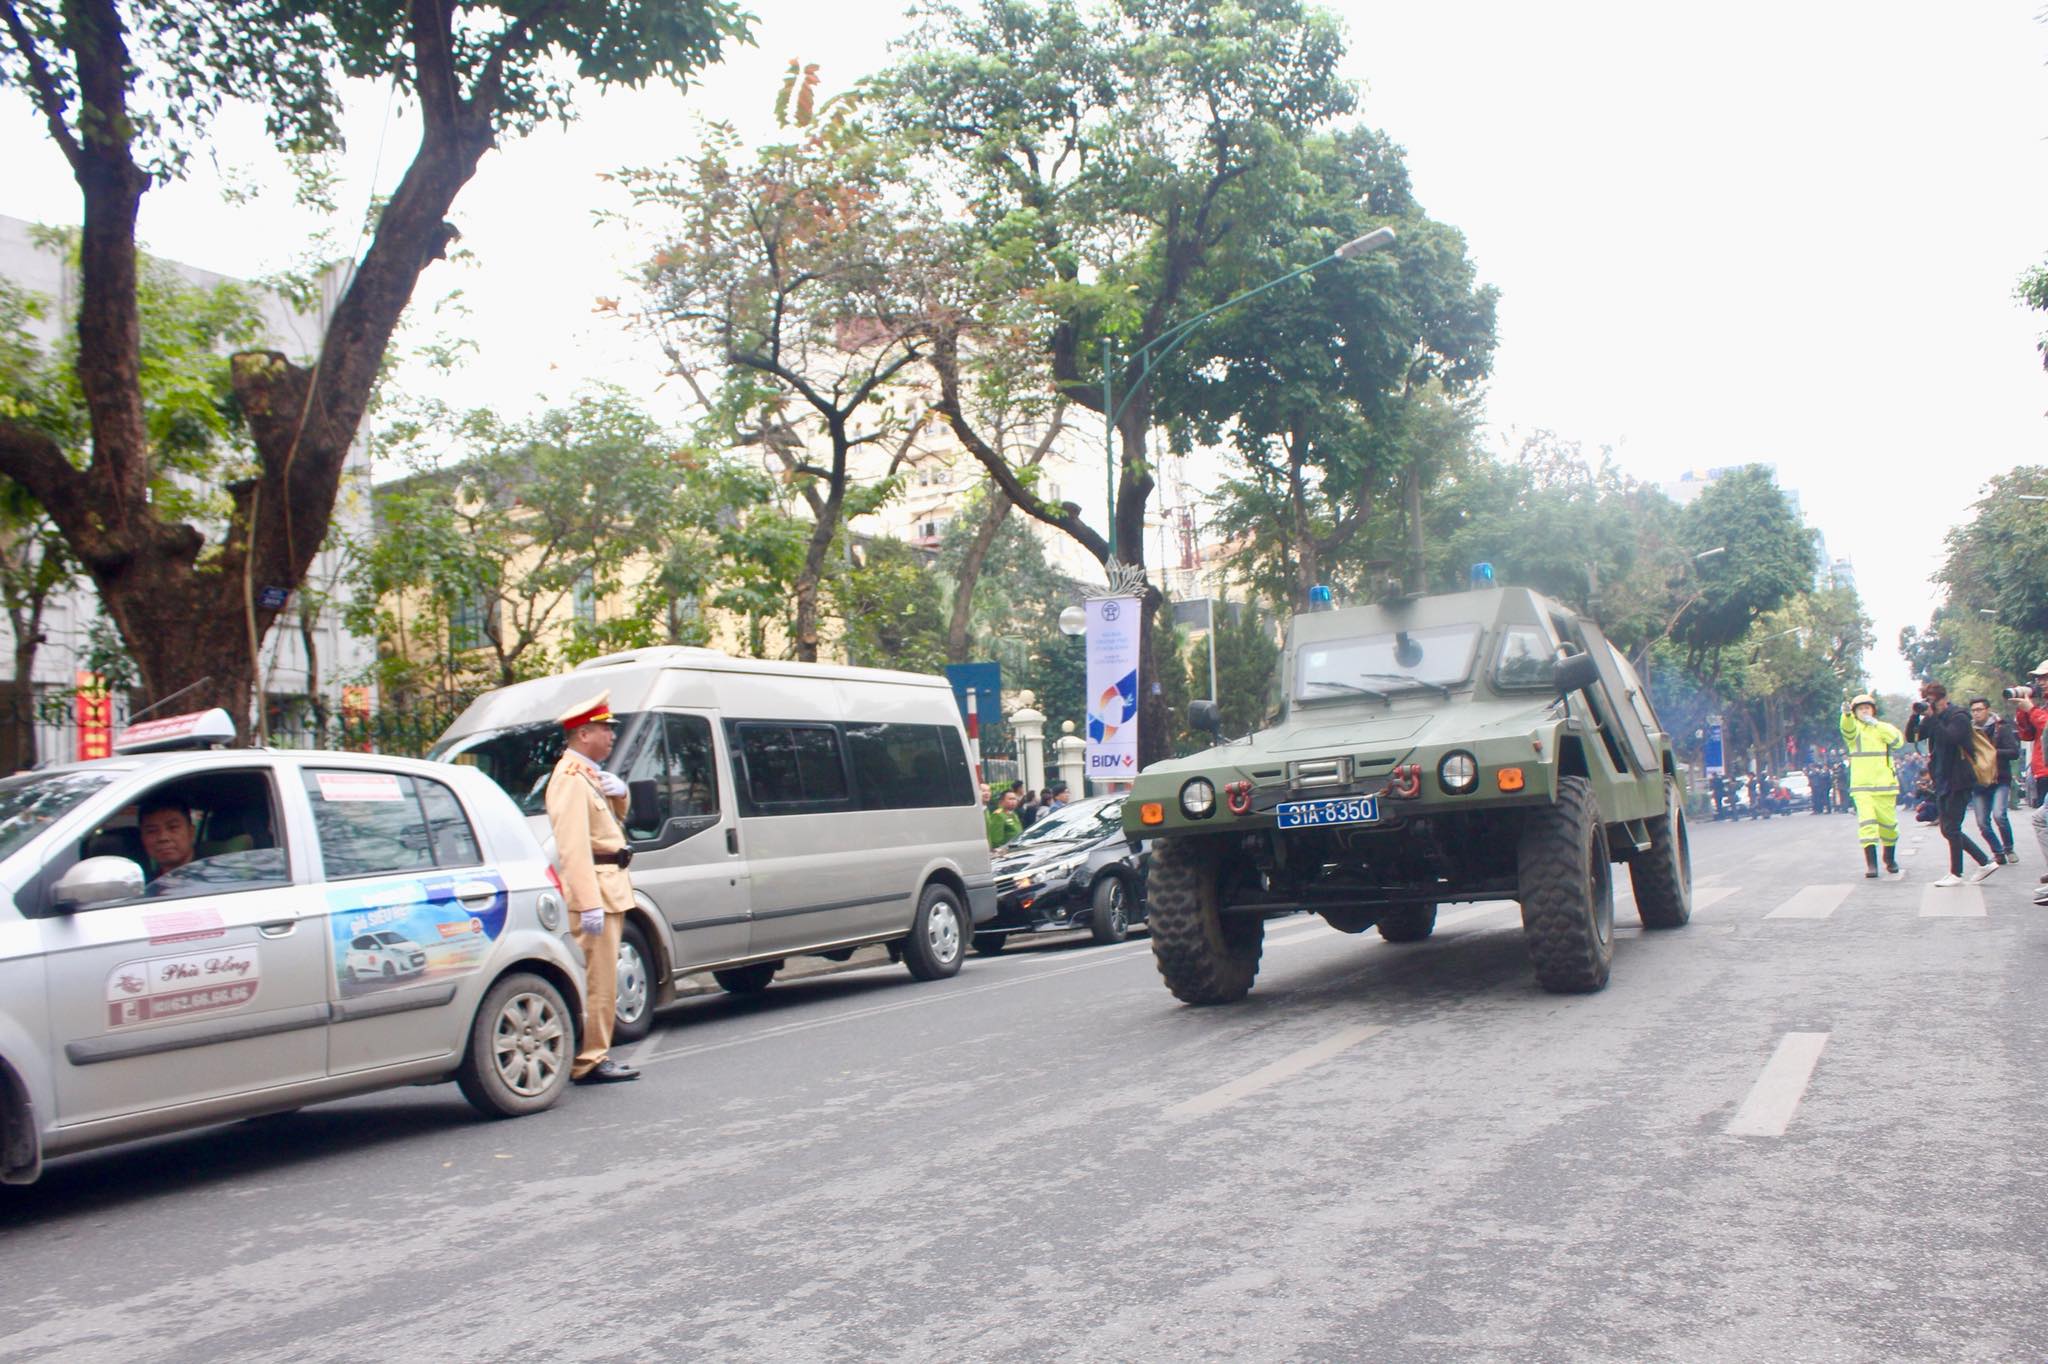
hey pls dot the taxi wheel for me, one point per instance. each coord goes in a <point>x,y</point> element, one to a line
<point>520,1046</point>
<point>633,1011</point>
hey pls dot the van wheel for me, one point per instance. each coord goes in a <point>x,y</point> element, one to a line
<point>1110,918</point>
<point>937,935</point>
<point>990,944</point>
<point>747,980</point>
<point>520,1045</point>
<point>633,1011</point>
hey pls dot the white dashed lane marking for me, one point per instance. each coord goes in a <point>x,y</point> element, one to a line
<point>1775,1096</point>
<point>1265,1077</point>
<point>1705,897</point>
<point>1812,902</point>
<point>1951,902</point>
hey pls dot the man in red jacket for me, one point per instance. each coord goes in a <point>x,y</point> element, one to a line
<point>2031,718</point>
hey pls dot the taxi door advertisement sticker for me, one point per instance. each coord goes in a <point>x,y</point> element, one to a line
<point>414,931</point>
<point>163,988</point>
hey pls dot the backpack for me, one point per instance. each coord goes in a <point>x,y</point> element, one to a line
<point>1983,756</point>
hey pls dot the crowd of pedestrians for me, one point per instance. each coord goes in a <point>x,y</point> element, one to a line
<point>1012,809</point>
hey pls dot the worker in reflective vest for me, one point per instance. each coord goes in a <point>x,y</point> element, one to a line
<point>1873,782</point>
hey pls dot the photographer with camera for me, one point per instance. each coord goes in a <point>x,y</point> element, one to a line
<point>1950,742</point>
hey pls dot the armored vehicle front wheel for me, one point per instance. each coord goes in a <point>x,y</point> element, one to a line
<point>1567,891</point>
<point>1409,923</point>
<point>1204,955</point>
<point>1663,875</point>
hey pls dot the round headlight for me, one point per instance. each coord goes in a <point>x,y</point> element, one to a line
<point>1458,773</point>
<point>1198,798</point>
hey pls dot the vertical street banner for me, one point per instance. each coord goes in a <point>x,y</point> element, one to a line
<point>1716,764</point>
<point>1113,688</point>
<point>95,717</point>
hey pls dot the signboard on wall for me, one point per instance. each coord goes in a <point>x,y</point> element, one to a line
<point>95,717</point>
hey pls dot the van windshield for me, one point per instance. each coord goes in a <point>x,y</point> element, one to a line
<point>518,759</point>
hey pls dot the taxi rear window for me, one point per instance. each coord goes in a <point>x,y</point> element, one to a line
<point>32,802</point>
<point>373,823</point>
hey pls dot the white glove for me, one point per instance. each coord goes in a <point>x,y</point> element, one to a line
<point>591,921</point>
<point>609,783</point>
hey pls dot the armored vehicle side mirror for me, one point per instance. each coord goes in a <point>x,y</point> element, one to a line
<point>643,804</point>
<point>1205,716</point>
<point>1575,672</point>
<point>96,881</point>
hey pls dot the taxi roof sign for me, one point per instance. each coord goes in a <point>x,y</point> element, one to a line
<point>201,729</point>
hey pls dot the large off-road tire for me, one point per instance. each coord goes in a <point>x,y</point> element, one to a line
<point>521,1044</point>
<point>1409,923</point>
<point>1109,912</point>
<point>747,980</point>
<point>1205,956</point>
<point>1663,875</point>
<point>1567,891</point>
<point>938,935</point>
<point>633,1007</point>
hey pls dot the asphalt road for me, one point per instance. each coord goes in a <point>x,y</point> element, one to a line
<point>1807,1127</point>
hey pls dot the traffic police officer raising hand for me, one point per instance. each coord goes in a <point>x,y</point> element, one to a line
<point>585,805</point>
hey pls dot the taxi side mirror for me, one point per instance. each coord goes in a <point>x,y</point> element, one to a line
<point>1576,673</point>
<point>96,881</point>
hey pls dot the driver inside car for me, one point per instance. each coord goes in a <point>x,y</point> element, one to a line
<point>168,834</point>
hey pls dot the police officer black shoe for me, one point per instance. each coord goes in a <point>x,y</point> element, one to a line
<point>608,1072</point>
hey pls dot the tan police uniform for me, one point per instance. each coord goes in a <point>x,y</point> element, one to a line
<point>589,842</point>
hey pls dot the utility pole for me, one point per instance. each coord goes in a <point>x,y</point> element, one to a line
<point>1412,496</point>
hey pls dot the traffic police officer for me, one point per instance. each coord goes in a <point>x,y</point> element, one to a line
<point>1873,782</point>
<point>585,805</point>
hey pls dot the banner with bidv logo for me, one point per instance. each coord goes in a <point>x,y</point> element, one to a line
<point>1113,688</point>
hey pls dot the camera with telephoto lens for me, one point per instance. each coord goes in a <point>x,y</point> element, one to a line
<point>2018,693</point>
<point>1919,707</point>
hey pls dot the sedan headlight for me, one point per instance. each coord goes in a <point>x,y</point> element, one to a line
<point>1198,798</point>
<point>1458,773</point>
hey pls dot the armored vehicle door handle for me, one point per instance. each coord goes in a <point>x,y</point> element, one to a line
<point>283,929</point>
<point>732,841</point>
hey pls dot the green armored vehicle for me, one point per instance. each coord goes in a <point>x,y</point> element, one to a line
<point>1484,745</point>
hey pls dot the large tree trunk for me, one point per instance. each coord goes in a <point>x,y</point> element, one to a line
<point>969,576</point>
<point>810,582</point>
<point>22,721</point>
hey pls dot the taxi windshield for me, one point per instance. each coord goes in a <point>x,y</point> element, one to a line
<point>1375,665</point>
<point>33,801</point>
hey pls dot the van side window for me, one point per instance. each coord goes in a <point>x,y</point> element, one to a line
<point>789,767</point>
<point>678,757</point>
<point>907,767</point>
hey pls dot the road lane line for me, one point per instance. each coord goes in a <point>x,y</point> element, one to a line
<point>1706,897</point>
<point>1775,1096</point>
<point>1812,902</point>
<point>1265,1077</point>
<point>1952,902</point>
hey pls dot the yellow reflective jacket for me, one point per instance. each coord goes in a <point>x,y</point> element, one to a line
<point>1870,744</point>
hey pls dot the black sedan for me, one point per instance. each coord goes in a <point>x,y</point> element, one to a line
<point>1072,869</point>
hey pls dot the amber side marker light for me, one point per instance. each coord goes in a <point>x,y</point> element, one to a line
<point>1509,778</point>
<point>1152,812</point>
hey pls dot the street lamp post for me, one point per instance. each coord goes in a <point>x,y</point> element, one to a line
<point>1153,352</point>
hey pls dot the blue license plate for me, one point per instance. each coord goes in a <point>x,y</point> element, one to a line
<point>1309,814</point>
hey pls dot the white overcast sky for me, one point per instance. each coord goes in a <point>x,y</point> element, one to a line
<point>1773,232</point>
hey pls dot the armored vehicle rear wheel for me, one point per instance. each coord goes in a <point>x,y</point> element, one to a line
<point>1663,875</point>
<point>1409,923</point>
<point>1567,891</point>
<point>1205,956</point>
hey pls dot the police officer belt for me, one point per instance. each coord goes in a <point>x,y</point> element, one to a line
<point>621,859</point>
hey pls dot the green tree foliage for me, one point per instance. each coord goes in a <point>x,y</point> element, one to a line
<point>489,557</point>
<point>1333,389</point>
<point>892,608</point>
<point>1767,557</point>
<point>2033,291</point>
<point>796,274</point>
<point>1994,580</point>
<point>1247,668</point>
<point>127,93</point>
<point>1113,164</point>
<point>1796,667</point>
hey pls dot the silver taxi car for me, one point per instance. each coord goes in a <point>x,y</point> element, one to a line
<point>179,930</point>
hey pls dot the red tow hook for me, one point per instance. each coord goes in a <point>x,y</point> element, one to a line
<point>1238,796</point>
<point>1405,782</point>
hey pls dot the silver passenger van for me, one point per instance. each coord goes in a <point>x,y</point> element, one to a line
<point>777,810</point>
